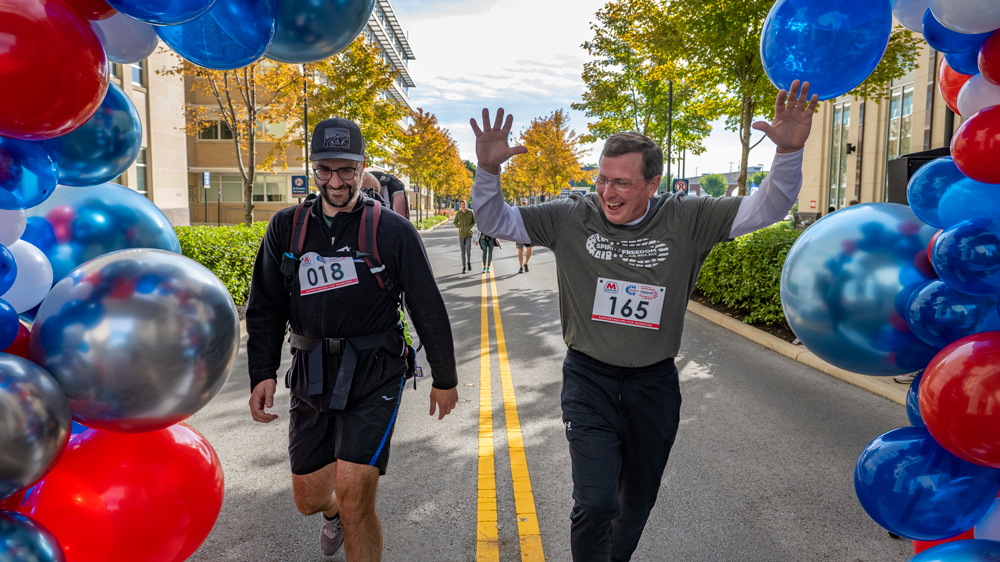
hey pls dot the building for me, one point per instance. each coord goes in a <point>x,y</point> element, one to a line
<point>160,169</point>
<point>852,140</point>
<point>212,168</point>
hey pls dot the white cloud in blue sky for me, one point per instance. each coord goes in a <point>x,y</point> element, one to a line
<point>523,55</point>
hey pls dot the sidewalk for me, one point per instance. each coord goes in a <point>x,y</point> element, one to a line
<point>882,386</point>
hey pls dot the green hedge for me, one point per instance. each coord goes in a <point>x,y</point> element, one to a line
<point>430,222</point>
<point>227,251</point>
<point>745,274</point>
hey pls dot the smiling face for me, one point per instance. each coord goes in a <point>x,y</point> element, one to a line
<point>338,194</point>
<point>624,205</point>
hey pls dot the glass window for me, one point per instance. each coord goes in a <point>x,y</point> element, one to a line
<point>217,130</point>
<point>116,70</point>
<point>270,129</point>
<point>142,173</point>
<point>139,73</point>
<point>269,189</point>
<point>231,185</point>
<point>838,154</point>
<point>900,125</point>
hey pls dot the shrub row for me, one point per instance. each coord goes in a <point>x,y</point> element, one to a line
<point>227,251</point>
<point>745,274</point>
<point>430,222</point>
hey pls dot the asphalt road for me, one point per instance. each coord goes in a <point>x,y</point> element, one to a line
<point>762,469</point>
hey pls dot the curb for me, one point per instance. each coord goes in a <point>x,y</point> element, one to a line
<point>882,386</point>
<point>435,227</point>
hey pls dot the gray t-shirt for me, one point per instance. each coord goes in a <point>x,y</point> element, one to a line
<point>666,249</point>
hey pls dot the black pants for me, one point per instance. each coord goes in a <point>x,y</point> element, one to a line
<point>620,424</point>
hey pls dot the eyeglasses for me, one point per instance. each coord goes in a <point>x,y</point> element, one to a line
<point>618,184</point>
<point>326,174</point>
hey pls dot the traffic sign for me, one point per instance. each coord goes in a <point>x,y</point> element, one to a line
<point>300,185</point>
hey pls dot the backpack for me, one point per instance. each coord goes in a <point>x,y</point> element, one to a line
<point>392,186</point>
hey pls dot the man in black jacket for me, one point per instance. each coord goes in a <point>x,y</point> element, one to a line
<point>350,354</point>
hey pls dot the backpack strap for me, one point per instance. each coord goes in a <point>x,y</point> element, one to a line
<point>368,245</point>
<point>300,227</point>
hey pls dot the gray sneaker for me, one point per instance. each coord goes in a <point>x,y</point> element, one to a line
<point>331,535</point>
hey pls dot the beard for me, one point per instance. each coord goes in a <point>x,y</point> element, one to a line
<point>340,199</point>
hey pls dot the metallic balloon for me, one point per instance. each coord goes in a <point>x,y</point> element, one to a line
<point>312,30</point>
<point>34,423</point>
<point>28,174</point>
<point>967,257</point>
<point>231,35</point>
<point>940,315</point>
<point>942,196</point>
<point>913,402</point>
<point>975,550</point>
<point>912,486</point>
<point>138,339</point>
<point>23,539</point>
<point>845,286</point>
<point>89,222</point>
<point>162,12</point>
<point>126,40</point>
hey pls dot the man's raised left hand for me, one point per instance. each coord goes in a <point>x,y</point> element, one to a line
<point>792,120</point>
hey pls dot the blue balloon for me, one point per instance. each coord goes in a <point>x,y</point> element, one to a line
<point>39,233</point>
<point>8,270</point>
<point>916,489</point>
<point>973,550</point>
<point>834,15</point>
<point>102,148</point>
<point>833,61</point>
<point>162,12</point>
<point>942,196</point>
<point>845,286</point>
<point>940,315</point>
<point>967,257</point>
<point>947,41</point>
<point>25,540</point>
<point>92,221</point>
<point>913,402</point>
<point>312,30</point>
<point>9,324</point>
<point>28,174</point>
<point>233,34</point>
<point>965,62</point>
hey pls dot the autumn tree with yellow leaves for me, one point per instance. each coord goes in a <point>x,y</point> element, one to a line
<point>432,160</point>
<point>552,160</point>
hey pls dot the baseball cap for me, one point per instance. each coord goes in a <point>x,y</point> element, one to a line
<point>337,138</point>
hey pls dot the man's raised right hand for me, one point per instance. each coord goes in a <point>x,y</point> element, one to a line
<point>492,148</point>
<point>263,397</point>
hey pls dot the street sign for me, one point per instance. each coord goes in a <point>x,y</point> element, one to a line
<point>680,186</point>
<point>206,179</point>
<point>812,204</point>
<point>300,185</point>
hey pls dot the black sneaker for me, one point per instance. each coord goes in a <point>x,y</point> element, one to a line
<point>525,267</point>
<point>463,269</point>
<point>331,535</point>
<point>521,269</point>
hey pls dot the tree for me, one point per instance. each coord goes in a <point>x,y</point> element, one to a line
<point>714,185</point>
<point>432,160</point>
<point>553,158</point>
<point>247,100</point>
<point>353,85</point>
<point>758,178</point>
<point>716,43</point>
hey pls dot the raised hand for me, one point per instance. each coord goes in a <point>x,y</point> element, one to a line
<point>792,121</point>
<point>492,148</point>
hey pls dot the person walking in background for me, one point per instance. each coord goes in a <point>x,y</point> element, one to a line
<point>464,221</point>
<point>487,242</point>
<point>523,249</point>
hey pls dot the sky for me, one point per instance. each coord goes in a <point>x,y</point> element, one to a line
<point>525,56</point>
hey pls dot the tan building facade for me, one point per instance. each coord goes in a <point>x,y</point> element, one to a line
<point>852,140</point>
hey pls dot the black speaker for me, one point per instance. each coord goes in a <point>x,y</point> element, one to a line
<point>901,169</point>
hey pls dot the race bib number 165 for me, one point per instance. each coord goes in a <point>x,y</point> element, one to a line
<point>631,304</point>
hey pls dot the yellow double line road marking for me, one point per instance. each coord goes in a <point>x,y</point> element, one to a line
<point>487,547</point>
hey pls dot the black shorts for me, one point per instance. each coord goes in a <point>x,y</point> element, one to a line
<point>520,245</point>
<point>359,434</point>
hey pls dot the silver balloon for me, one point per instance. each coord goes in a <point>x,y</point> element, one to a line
<point>23,539</point>
<point>138,339</point>
<point>34,424</point>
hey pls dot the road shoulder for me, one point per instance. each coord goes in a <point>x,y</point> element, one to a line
<point>881,386</point>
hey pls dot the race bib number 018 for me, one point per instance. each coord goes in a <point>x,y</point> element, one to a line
<point>631,304</point>
<point>318,274</point>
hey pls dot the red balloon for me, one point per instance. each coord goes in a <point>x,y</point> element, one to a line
<point>93,9</point>
<point>950,83</point>
<point>53,69</point>
<point>11,503</point>
<point>20,345</point>
<point>920,546</point>
<point>989,58</point>
<point>960,396</point>
<point>976,145</point>
<point>144,497</point>
<point>930,247</point>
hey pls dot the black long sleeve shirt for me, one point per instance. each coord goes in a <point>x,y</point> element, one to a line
<point>350,311</point>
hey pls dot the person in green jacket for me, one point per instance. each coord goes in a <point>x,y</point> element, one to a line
<point>464,221</point>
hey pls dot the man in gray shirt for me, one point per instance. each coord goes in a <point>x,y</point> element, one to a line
<point>627,262</point>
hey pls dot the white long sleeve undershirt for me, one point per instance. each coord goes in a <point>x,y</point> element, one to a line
<point>767,206</point>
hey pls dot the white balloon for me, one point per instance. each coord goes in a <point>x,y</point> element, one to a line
<point>34,277</point>
<point>967,16</point>
<point>989,526</point>
<point>12,225</point>
<point>976,95</point>
<point>126,40</point>
<point>910,13</point>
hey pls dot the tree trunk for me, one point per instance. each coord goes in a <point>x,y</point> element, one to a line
<point>746,116</point>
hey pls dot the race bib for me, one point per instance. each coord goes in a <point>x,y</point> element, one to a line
<point>631,304</point>
<point>318,274</point>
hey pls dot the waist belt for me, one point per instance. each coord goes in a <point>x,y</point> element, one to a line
<point>349,347</point>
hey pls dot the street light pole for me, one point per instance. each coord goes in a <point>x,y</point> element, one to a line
<point>305,120</point>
